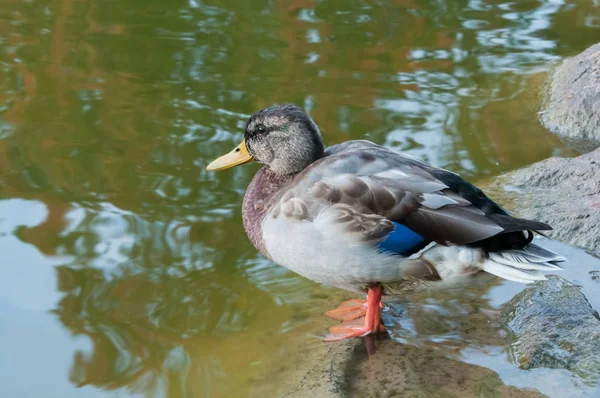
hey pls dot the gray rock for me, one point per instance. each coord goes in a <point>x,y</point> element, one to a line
<point>344,369</point>
<point>554,326</point>
<point>564,193</point>
<point>572,106</point>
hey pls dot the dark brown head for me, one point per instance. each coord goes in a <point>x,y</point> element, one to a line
<point>284,138</point>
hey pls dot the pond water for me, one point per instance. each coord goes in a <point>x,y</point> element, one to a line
<point>125,269</point>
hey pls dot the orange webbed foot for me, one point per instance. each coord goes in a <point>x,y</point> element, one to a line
<point>352,311</point>
<point>349,310</point>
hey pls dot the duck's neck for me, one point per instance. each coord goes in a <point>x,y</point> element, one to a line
<point>260,195</point>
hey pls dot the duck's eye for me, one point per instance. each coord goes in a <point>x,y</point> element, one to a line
<point>260,128</point>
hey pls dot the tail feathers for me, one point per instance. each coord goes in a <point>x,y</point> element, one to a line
<point>535,251</point>
<point>522,261</point>
<point>511,273</point>
<point>522,265</point>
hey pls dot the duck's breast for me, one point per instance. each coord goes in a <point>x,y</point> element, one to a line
<point>302,247</point>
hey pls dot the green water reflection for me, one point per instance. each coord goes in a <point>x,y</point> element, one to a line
<point>125,267</point>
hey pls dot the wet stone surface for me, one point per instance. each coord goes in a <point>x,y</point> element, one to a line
<point>563,192</point>
<point>553,325</point>
<point>395,370</point>
<point>572,108</point>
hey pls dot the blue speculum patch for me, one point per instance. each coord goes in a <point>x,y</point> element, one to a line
<point>401,240</point>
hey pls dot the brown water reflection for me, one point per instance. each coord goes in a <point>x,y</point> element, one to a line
<point>109,111</point>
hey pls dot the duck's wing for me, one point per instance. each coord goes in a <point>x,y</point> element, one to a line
<point>370,195</point>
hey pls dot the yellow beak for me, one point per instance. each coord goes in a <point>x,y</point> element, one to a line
<point>239,155</point>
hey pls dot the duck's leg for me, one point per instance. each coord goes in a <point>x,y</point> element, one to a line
<point>356,326</point>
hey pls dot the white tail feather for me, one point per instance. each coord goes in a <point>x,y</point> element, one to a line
<point>511,273</point>
<point>522,265</point>
<point>519,261</point>
<point>535,251</point>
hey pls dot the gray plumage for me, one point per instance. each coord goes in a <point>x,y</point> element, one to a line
<point>323,213</point>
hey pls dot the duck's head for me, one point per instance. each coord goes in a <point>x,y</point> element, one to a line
<point>284,138</point>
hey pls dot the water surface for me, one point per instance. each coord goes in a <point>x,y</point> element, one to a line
<point>125,268</point>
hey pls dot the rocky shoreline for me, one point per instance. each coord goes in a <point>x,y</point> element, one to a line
<point>563,192</point>
<point>572,103</point>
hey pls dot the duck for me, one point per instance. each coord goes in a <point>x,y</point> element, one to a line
<point>370,220</point>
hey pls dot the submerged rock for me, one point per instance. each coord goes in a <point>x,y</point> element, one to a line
<point>554,326</point>
<point>312,368</point>
<point>562,192</point>
<point>572,106</point>
<point>399,370</point>
<point>344,369</point>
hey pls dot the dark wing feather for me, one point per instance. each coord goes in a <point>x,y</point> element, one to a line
<point>468,191</point>
<point>450,225</point>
